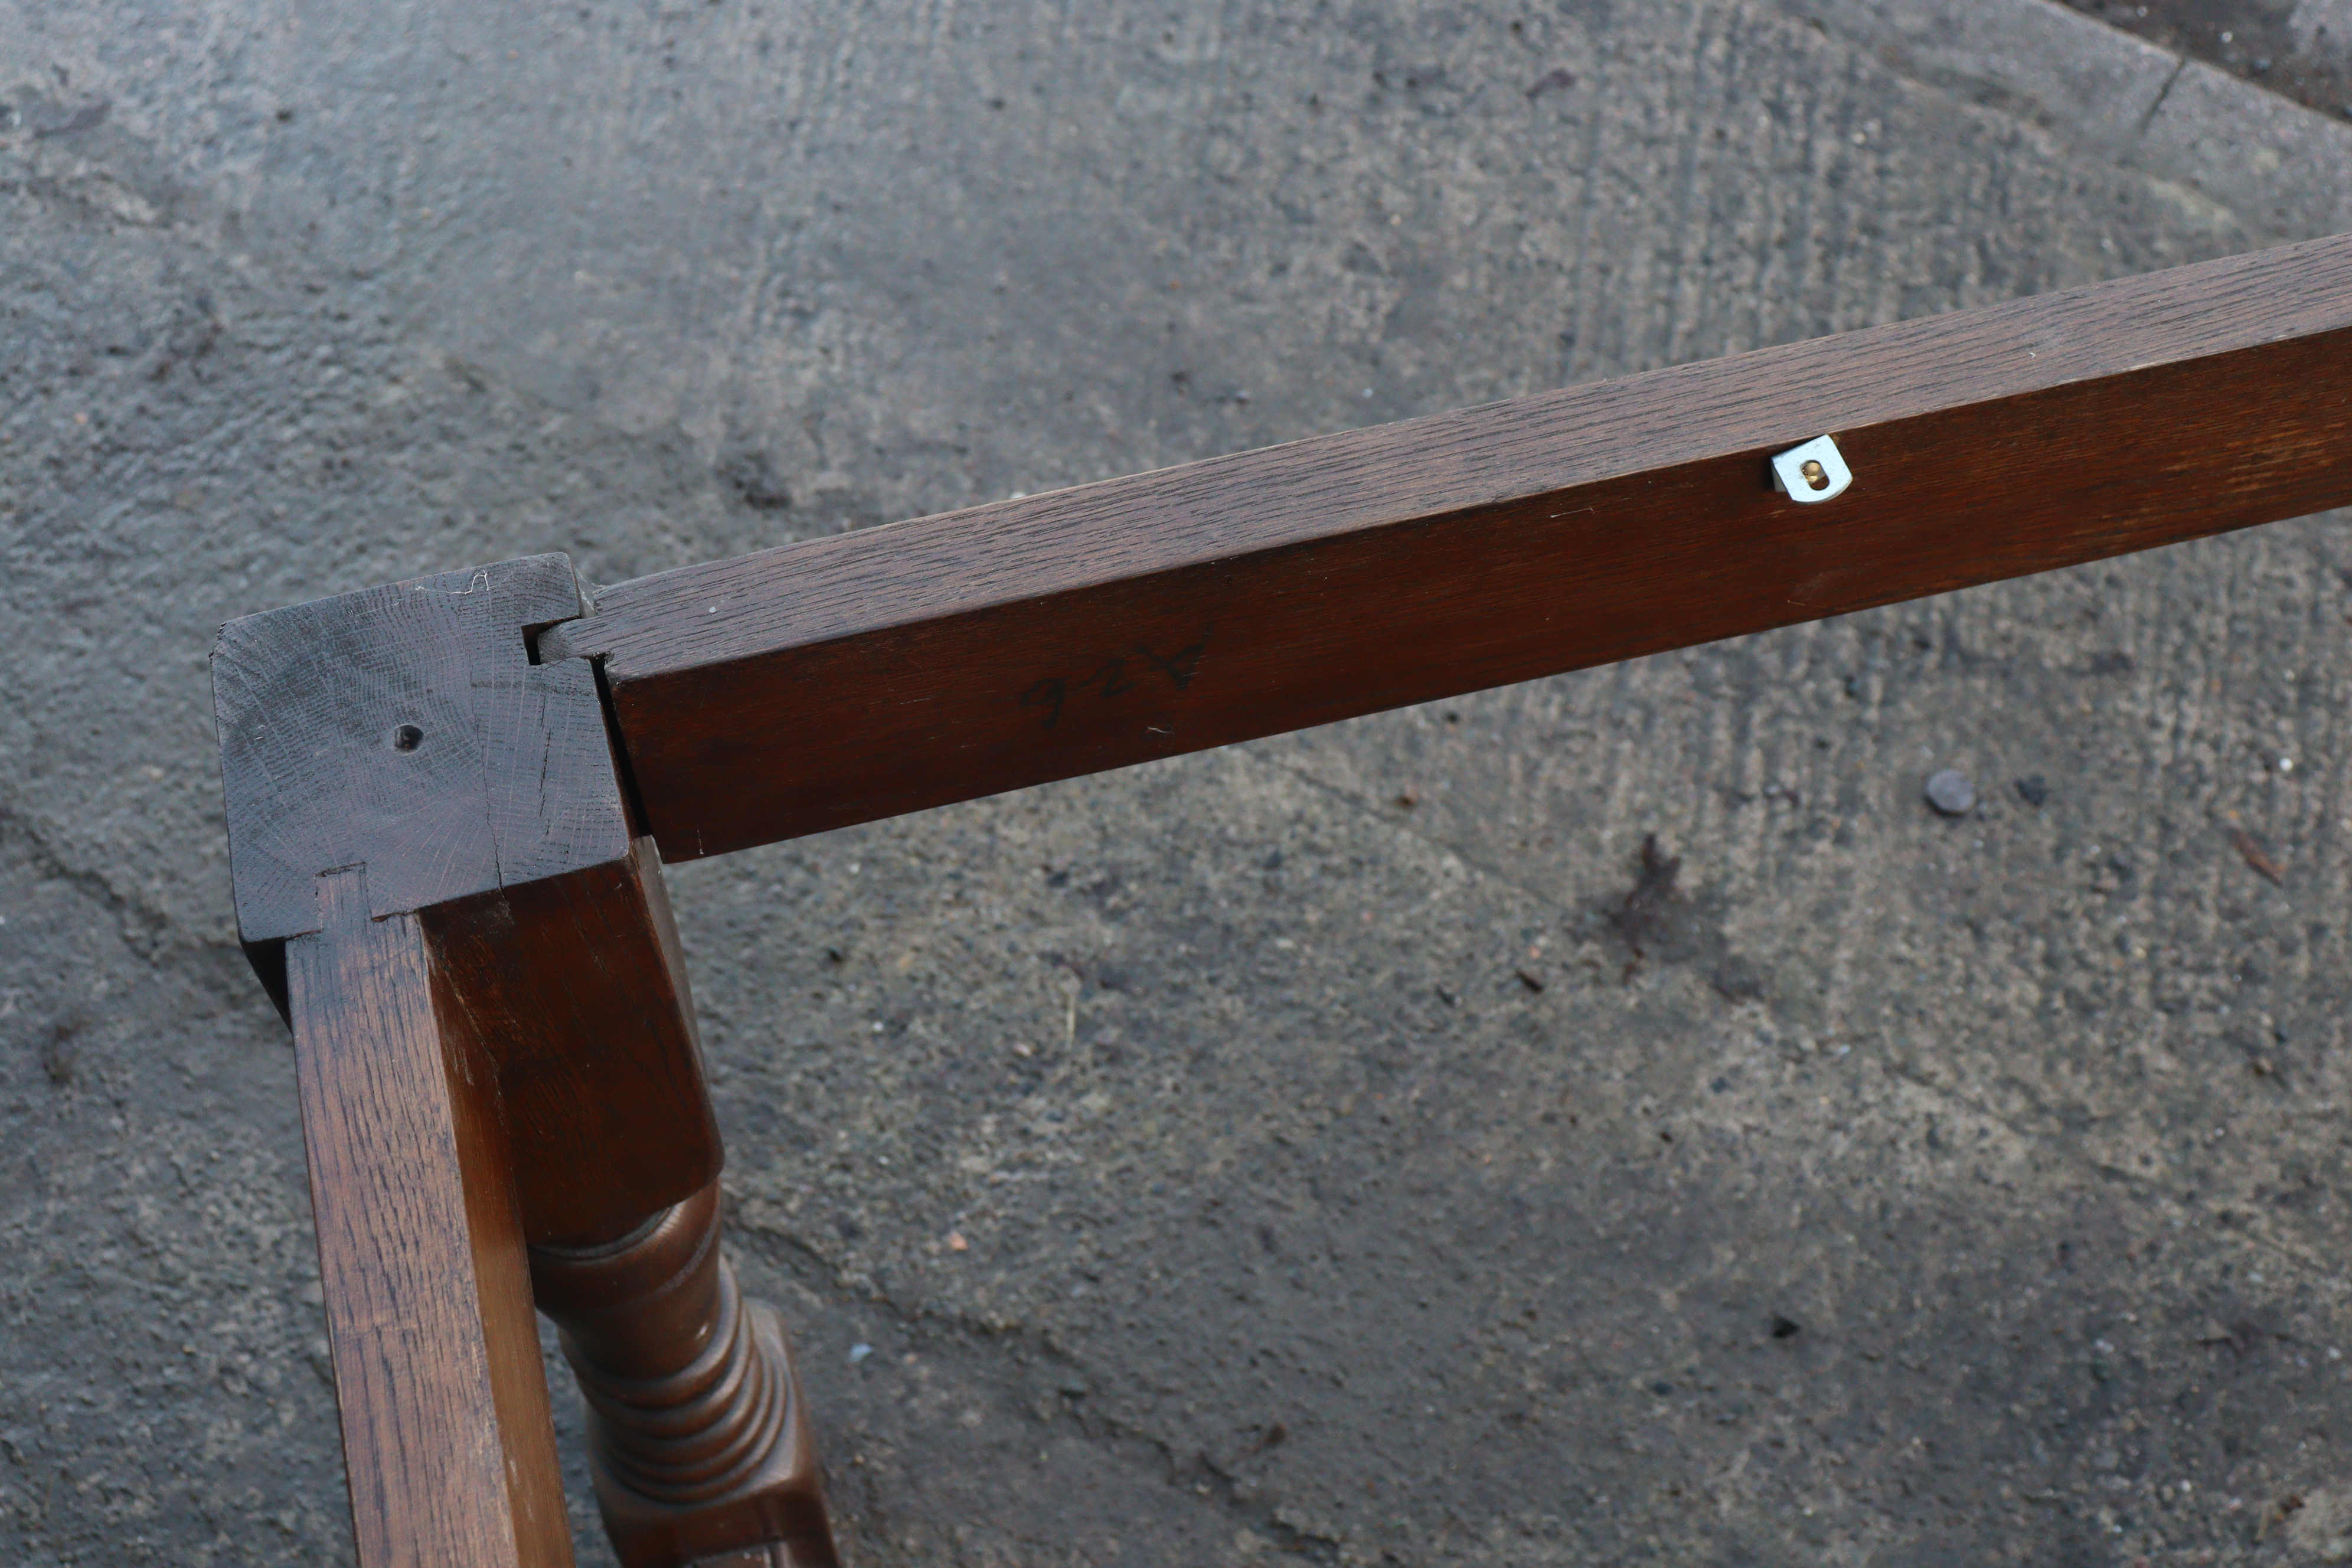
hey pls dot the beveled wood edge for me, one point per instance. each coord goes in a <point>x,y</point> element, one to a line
<point>817,591</point>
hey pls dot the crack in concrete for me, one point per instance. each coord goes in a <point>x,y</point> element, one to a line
<point>2146,1187</point>
<point>1199,1476</point>
<point>152,923</point>
<point>2161,94</point>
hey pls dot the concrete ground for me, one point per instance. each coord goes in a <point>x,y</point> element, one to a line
<point>1607,1121</point>
<point>2302,49</point>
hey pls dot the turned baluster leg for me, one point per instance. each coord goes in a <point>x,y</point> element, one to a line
<point>699,1439</point>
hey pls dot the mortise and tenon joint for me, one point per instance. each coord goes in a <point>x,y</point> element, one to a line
<point>438,880</point>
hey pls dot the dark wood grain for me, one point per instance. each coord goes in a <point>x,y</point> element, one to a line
<point>499,819</point>
<point>699,1439</point>
<point>495,1047</point>
<point>446,1439</point>
<point>577,993</point>
<point>405,727</point>
<point>871,674</point>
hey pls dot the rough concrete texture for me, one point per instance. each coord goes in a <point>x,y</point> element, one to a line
<point>1610,1120</point>
<point>2300,48</point>
<point>2190,121</point>
<point>2033,59</point>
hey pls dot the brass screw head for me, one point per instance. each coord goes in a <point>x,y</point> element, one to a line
<point>1816,475</point>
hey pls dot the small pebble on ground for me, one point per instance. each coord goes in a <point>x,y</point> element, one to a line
<point>1950,793</point>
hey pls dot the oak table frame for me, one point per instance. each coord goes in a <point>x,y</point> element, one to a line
<point>449,799</point>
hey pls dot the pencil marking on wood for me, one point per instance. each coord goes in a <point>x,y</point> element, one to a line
<point>1110,679</point>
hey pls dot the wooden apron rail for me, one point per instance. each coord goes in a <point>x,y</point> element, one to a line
<point>448,799</point>
<point>874,673</point>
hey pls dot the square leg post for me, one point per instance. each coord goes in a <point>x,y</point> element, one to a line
<point>447,1447</point>
<point>501,1087</point>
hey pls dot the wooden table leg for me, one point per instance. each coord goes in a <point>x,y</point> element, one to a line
<point>495,1044</point>
<point>700,1439</point>
<point>446,1439</point>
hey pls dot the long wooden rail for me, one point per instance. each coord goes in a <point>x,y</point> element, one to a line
<point>444,795</point>
<point>863,676</point>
